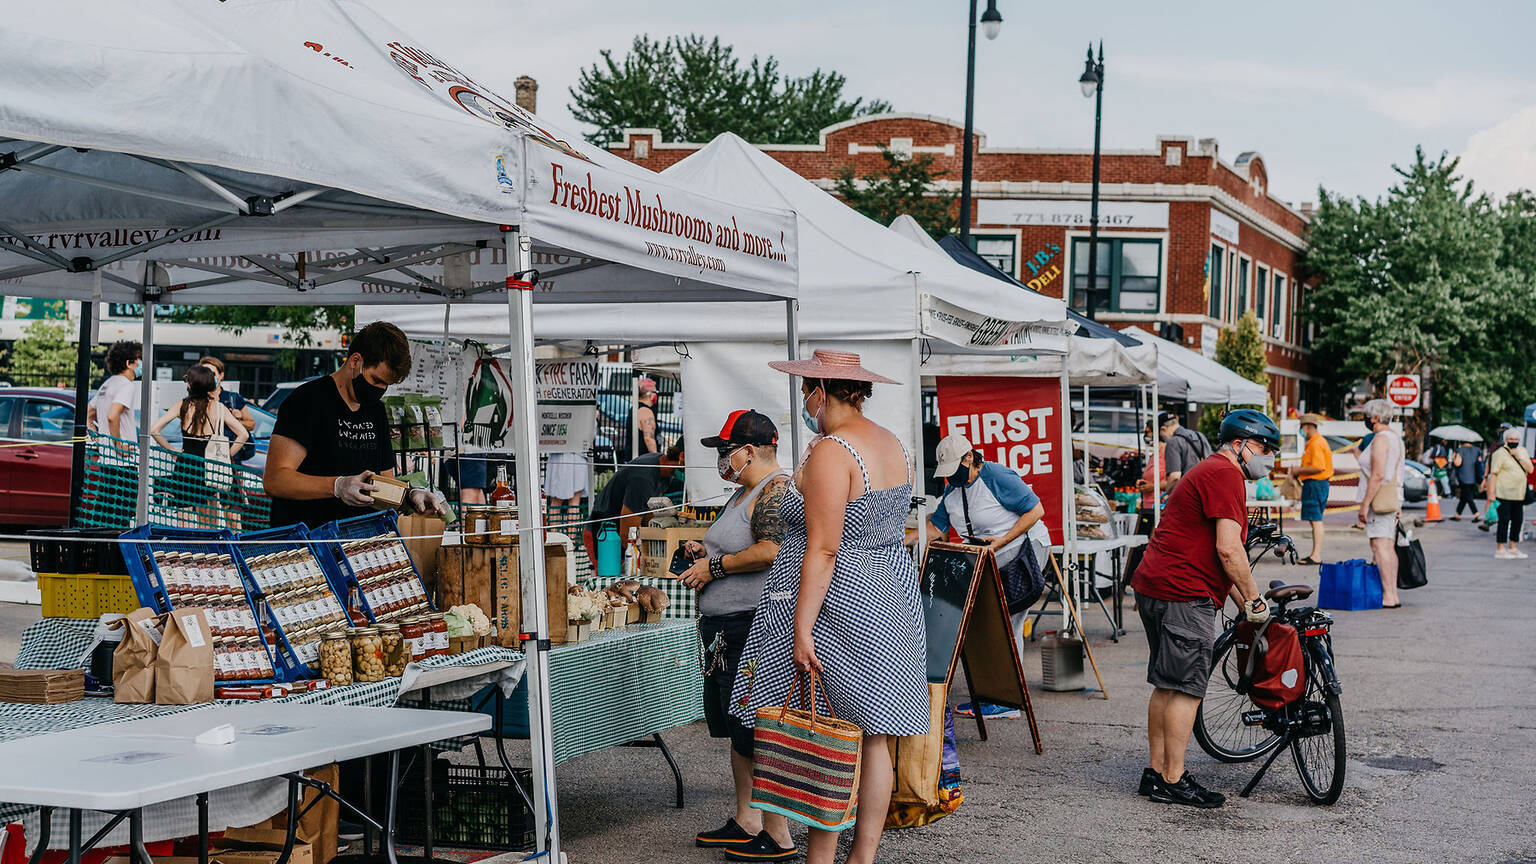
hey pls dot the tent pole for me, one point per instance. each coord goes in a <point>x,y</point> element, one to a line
<point>1068,506</point>
<point>146,401</point>
<point>1157,461</point>
<point>792,340</point>
<point>530,560</point>
<point>919,470</point>
<point>82,385</point>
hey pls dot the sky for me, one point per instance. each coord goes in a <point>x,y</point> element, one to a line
<point>1330,92</point>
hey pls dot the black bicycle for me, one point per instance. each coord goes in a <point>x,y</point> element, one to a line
<point>1232,729</point>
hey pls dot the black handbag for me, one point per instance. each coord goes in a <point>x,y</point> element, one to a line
<point>1023,579</point>
<point>1412,570</point>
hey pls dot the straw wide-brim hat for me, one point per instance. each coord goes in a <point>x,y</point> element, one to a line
<point>841,365</point>
<point>1311,419</point>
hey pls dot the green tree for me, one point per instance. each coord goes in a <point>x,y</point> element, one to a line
<point>298,322</point>
<point>1415,282</point>
<point>692,89</point>
<point>903,186</point>
<point>44,355</point>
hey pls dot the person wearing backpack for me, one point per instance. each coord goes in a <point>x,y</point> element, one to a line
<point>1186,447</point>
<point>1194,561</point>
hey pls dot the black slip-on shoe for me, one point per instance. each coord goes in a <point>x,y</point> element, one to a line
<point>1149,779</point>
<point>730,834</point>
<point>762,848</point>
<point>1186,792</point>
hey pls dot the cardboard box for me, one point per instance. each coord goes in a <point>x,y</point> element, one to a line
<point>260,846</point>
<point>423,552</point>
<point>388,493</point>
<point>317,827</point>
<point>658,544</point>
<point>488,577</point>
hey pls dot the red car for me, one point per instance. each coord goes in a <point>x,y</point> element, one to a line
<point>34,475</point>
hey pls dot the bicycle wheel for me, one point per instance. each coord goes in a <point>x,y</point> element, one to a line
<point>1219,722</point>
<point>1320,756</point>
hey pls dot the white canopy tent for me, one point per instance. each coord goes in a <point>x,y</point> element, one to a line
<point>198,153</point>
<point>1209,382</point>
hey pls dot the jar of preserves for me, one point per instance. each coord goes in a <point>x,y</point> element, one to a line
<point>336,658</point>
<point>414,632</point>
<point>367,655</point>
<point>395,653</point>
<point>439,627</point>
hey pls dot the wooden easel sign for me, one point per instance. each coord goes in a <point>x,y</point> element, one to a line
<point>966,616</point>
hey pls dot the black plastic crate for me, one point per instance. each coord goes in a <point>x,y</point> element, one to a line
<point>472,808</point>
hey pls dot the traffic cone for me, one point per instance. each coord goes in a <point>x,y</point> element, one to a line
<point>1432,509</point>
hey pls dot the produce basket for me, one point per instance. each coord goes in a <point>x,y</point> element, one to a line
<point>381,579</point>
<point>152,550</point>
<point>472,808</point>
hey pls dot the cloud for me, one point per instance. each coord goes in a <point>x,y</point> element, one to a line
<point>1502,158</point>
<point>1447,101</point>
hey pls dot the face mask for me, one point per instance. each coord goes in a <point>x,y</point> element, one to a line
<point>138,369</point>
<point>961,476</point>
<point>812,422</point>
<point>727,473</point>
<point>1258,465</point>
<point>367,393</point>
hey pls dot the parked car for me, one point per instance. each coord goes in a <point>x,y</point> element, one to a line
<point>34,474</point>
<point>1416,481</point>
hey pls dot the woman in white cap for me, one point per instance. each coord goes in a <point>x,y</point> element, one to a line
<point>842,598</point>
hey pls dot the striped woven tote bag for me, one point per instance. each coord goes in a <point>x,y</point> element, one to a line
<point>805,766</point>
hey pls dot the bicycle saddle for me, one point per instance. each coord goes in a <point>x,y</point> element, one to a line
<point>1287,593</point>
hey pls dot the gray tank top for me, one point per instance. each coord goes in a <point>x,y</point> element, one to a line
<point>730,533</point>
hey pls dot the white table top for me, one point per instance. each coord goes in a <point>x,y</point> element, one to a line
<point>120,766</point>
<point>1256,503</point>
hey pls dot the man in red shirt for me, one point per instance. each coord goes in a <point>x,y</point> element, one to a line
<point>1194,560</point>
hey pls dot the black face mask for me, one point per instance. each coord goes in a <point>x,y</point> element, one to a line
<point>368,394</point>
<point>961,476</point>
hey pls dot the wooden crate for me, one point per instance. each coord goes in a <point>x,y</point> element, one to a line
<point>658,544</point>
<point>488,577</point>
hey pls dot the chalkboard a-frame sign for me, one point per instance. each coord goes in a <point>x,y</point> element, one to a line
<point>968,625</point>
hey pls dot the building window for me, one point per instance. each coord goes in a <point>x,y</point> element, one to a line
<point>999,250</point>
<point>1260,294</point>
<point>1277,308</point>
<point>1242,289</point>
<point>1129,277</point>
<point>1214,270</point>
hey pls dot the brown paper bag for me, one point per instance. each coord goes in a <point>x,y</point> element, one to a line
<point>1290,487</point>
<point>317,827</point>
<point>184,665</point>
<point>918,760</point>
<point>133,660</point>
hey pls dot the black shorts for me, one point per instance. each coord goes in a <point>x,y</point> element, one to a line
<point>721,676</point>
<point>1180,636</point>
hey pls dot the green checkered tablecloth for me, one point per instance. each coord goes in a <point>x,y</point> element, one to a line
<point>684,600</point>
<point>622,685</point>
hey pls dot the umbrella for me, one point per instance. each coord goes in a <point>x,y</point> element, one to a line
<point>1455,433</point>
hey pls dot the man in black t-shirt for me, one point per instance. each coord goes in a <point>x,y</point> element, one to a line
<point>630,491</point>
<point>332,436</point>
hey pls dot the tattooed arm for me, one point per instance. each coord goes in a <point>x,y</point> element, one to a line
<point>767,530</point>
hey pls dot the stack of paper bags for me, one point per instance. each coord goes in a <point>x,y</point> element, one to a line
<point>41,686</point>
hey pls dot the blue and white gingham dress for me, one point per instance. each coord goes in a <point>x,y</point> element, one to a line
<point>869,635</point>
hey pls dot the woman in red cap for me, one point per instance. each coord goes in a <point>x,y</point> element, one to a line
<point>842,598</point>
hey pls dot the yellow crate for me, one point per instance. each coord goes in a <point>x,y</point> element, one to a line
<point>86,595</point>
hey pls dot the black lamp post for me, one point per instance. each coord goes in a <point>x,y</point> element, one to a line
<point>991,22</point>
<point>1092,83</point>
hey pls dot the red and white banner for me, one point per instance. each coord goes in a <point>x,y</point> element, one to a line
<point>1015,422</point>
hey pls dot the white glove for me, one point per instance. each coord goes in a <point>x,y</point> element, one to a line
<point>355,490</point>
<point>426,501</point>
<point>1256,611</point>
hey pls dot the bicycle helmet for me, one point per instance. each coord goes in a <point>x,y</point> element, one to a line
<point>1248,423</point>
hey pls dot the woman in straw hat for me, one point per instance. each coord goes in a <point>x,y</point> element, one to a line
<point>842,598</point>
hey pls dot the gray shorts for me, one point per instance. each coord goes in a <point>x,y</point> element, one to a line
<point>1180,634</point>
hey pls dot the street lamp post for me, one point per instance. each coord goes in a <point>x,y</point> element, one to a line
<point>1092,83</point>
<point>991,22</point>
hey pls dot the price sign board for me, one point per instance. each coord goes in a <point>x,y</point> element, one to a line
<point>1403,390</point>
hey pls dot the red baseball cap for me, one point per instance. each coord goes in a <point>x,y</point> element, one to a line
<point>744,427</point>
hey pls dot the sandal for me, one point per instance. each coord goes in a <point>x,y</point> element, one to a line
<point>1310,562</point>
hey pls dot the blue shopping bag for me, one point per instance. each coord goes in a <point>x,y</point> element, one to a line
<point>1349,585</point>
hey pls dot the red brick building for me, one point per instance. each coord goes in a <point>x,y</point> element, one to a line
<point>1184,237</point>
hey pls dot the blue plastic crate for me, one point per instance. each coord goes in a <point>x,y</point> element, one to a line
<point>359,528</point>
<point>149,582</point>
<point>1350,585</point>
<point>283,539</point>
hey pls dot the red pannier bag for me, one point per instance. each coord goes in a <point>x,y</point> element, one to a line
<point>1269,663</point>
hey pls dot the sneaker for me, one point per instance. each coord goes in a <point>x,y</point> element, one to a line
<point>761,848</point>
<point>1149,779</point>
<point>728,835</point>
<point>1186,792</point>
<point>348,830</point>
<point>988,711</point>
<point>1516,553</point>
<point>1503,553</point>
